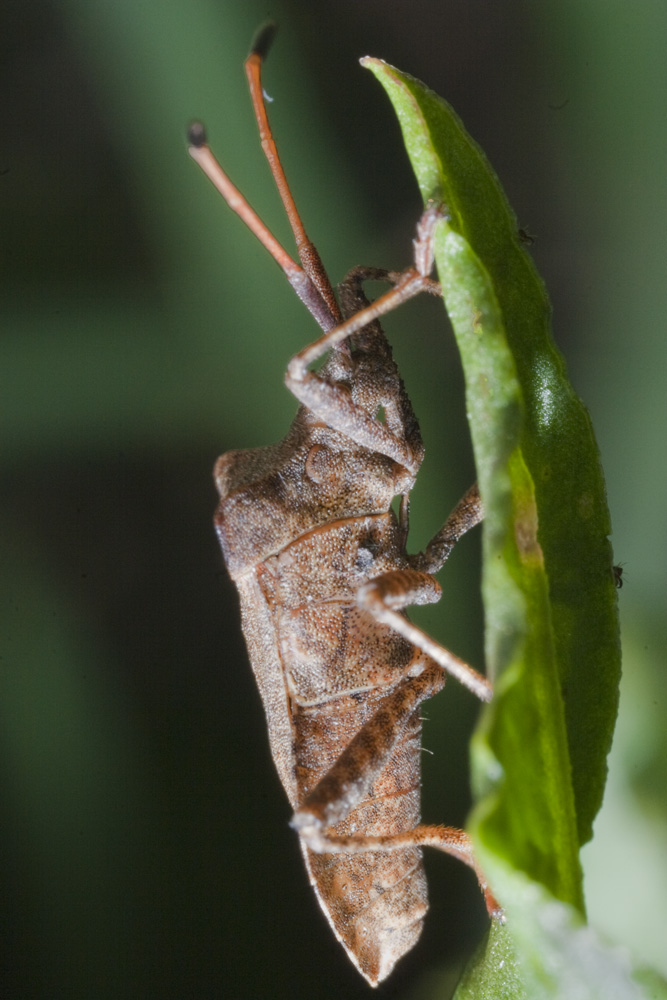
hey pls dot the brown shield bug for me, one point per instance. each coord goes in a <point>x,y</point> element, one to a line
<point>320,562</point>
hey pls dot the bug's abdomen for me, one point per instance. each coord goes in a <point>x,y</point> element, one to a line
<point>339,663</point>
<point>375,901</point>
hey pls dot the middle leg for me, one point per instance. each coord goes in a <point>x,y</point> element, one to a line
<point>386,596</point>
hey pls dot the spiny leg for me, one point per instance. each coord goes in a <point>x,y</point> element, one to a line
<point>332,402</point>
<point>349,780</point>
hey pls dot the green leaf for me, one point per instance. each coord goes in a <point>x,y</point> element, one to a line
<point>550,953</point>
<point>552,637</point>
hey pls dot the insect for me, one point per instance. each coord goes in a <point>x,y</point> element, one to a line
<point>319,559</point>
<point>527,238</point>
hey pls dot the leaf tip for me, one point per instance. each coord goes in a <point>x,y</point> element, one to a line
<point>372,63</point>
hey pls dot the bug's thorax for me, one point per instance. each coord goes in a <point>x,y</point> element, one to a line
<point>271,496</point>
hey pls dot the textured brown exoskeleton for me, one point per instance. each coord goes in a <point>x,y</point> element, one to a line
<point>320,563</point>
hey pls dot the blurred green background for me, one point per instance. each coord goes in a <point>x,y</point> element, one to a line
<point>146,851</point>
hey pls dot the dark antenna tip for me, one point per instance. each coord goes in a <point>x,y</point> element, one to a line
<point>263,40</point>
<point>197,135</point>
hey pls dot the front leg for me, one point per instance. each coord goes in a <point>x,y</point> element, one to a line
<point>333,401</point>
<point>406,285</point>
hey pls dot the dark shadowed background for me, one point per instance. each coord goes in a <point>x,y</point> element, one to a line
<point>146,851</point>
